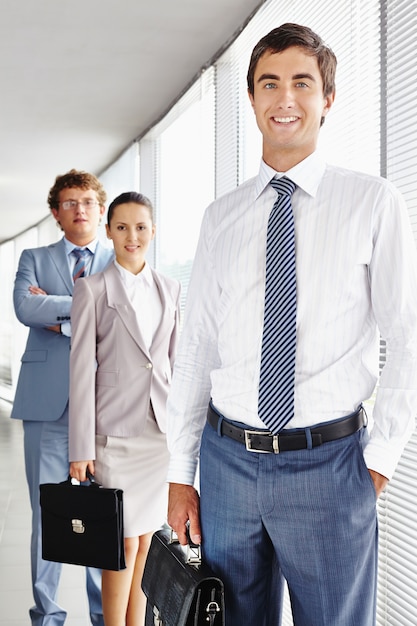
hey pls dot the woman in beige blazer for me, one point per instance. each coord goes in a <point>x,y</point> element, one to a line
<point>125,322</point>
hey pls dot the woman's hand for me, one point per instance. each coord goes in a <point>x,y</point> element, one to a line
<point>78,469</point>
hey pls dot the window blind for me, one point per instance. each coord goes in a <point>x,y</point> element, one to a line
<point>397,582</point>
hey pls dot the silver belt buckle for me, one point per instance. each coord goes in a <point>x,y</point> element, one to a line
<point>248,441</point>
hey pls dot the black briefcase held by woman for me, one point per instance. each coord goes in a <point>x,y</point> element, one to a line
<point>82,524</point>
<point>180,589</point>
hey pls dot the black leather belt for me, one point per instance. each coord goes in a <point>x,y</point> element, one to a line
<point>264,441</point>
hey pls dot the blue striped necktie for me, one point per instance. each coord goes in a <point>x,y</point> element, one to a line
<point>276,382</point>
<point>79,269</point>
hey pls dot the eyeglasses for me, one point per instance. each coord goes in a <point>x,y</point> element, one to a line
<point>88,203</point>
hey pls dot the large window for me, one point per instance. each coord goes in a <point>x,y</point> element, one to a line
<point>181,181</point>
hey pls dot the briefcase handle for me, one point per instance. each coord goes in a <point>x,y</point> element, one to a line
<point>193,550</point>
<point>90,478</point>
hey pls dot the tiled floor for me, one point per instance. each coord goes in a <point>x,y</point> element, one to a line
<point>15,587</point>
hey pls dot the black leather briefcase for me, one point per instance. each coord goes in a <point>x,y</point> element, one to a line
<point>82,524</point>
<point>180,589</point>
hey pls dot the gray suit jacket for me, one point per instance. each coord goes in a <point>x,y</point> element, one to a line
<point>113,375</point>
<point>43,385</point>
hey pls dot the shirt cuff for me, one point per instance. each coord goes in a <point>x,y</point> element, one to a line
<point>382,457</point>
<point>66,329</point>
<point>182,470</point>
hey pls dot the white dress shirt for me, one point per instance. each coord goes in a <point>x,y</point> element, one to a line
<point>356,272</point>
<point>144,296</point>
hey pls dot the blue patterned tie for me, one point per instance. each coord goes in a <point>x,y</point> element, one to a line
<point>276,383</point>
<point>80,264</point>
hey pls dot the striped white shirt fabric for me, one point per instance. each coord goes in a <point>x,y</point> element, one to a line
<point>356,277</point>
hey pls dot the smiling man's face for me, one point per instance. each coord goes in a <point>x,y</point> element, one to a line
<point>289,105</point>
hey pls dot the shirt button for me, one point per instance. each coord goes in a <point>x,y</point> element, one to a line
<point>148,366</point>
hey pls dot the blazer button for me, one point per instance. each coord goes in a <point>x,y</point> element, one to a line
<point>148,366</point>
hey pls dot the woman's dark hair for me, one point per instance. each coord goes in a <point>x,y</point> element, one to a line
<point>125,198</point>
<point>289,35</point>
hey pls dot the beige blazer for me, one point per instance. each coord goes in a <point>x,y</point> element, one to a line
<point>113,376</point>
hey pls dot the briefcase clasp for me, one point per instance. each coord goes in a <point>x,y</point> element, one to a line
<point>78,526</point>
<point>157,621</point>
<point>212,609</point>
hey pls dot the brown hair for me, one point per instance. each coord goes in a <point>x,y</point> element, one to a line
<point>78,179</point>
<point>288,35</point>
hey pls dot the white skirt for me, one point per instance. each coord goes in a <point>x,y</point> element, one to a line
<point>138,465</point>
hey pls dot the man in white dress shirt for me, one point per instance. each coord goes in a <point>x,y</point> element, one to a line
<point>298,505</point>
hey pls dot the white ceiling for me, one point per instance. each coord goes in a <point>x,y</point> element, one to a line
<point>81,80</point>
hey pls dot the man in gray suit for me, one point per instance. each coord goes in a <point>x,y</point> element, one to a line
<point>42,301</point>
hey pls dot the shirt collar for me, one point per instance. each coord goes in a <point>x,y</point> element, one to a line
<point>69,246</point>
<point>307,174</point>
<point>130,280</point>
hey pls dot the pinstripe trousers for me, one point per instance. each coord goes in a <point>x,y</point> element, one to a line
<point>307,517</point>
